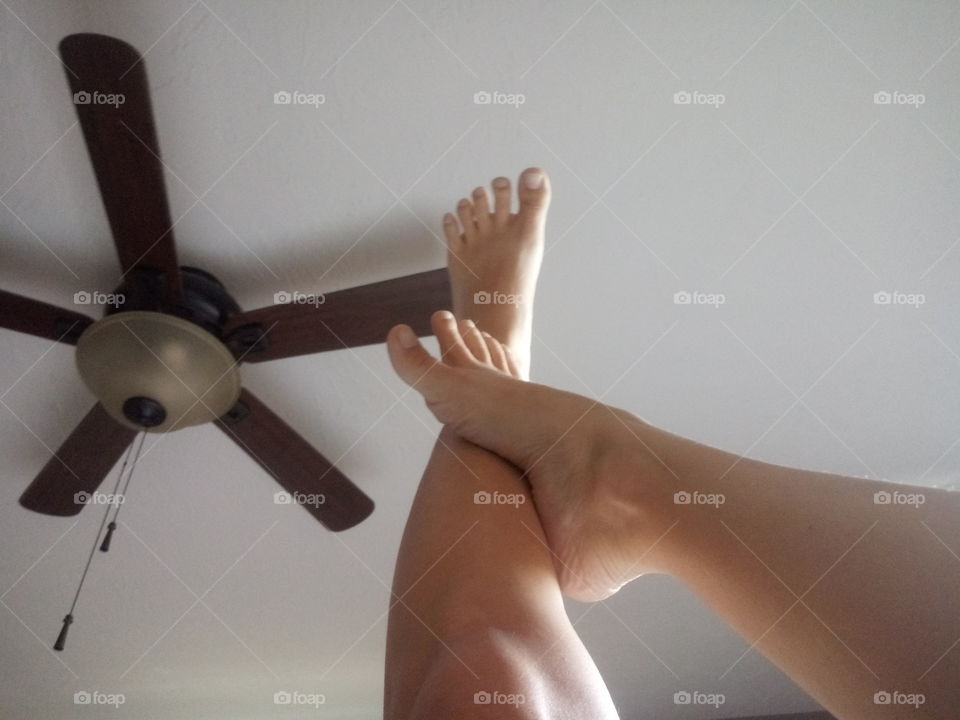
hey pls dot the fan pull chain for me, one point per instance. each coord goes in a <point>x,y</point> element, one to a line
<point>105,545</point>
<point>68,619</point>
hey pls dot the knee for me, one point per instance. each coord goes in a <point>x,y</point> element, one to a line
<point>484,673</point>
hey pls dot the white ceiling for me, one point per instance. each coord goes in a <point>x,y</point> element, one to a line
<point>798,199</point>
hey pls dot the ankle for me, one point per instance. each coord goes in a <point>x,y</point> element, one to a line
<point>639,477</point>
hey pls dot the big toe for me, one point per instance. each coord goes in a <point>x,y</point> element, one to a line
<point>534,193</point>
<point>415,366</point>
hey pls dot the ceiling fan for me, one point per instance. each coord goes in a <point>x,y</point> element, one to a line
<point>166,355</point>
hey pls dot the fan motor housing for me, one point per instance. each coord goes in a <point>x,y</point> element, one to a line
<point>204,300</point>
<point>160,365</point>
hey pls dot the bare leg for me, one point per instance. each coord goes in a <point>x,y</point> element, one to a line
<point>479,608</point>
<point>477,612</point>
<point>854,600</point>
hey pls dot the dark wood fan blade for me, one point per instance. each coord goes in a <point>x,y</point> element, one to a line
<point>294,463</point>
<point>109,86</point>
<point>30,316</point>
<point>346,318</point>
<point>79,466</point>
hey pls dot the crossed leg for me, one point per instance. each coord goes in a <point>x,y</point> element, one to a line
<point>848,584</point>
<point>478,627</point>
<point>853,598</point>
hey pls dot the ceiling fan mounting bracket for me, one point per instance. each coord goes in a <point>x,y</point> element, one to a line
<point>68,330</point>
<point>247,339</point>
<point>235,414</point>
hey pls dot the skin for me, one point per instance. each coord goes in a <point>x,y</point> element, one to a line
<point>849,597</point>
<point>476,599</point>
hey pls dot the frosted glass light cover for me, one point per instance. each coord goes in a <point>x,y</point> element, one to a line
<point>162,357</point>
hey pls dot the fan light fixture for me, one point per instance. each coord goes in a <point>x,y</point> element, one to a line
<point>157,372</point>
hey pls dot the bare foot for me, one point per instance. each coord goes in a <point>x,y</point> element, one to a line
<point>595,488</point>
<point>494,259</point>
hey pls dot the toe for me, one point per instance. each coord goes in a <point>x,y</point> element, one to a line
<point>534,194</point>
<point>451,231</point>
<point>441,385</point>
<point>474,341</point>
<point>501,199</point>
<point>512,366</point>
<point>453,350</point>
<point>415,366</point>
<point>481,208</point>
<point>465,211</point>
<point>497,356</point>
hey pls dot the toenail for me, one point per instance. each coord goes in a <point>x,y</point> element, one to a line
<point>446,315</point>
<point>463,203</point>
<point>448,218</point>
<point>406,337</point>
<point>478,191</point>
<point>501,183</point>
<point>469,323</point>
<point>533,180</point>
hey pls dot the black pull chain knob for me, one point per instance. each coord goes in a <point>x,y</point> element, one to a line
<point>105,545</point>
<point>62,637</point>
